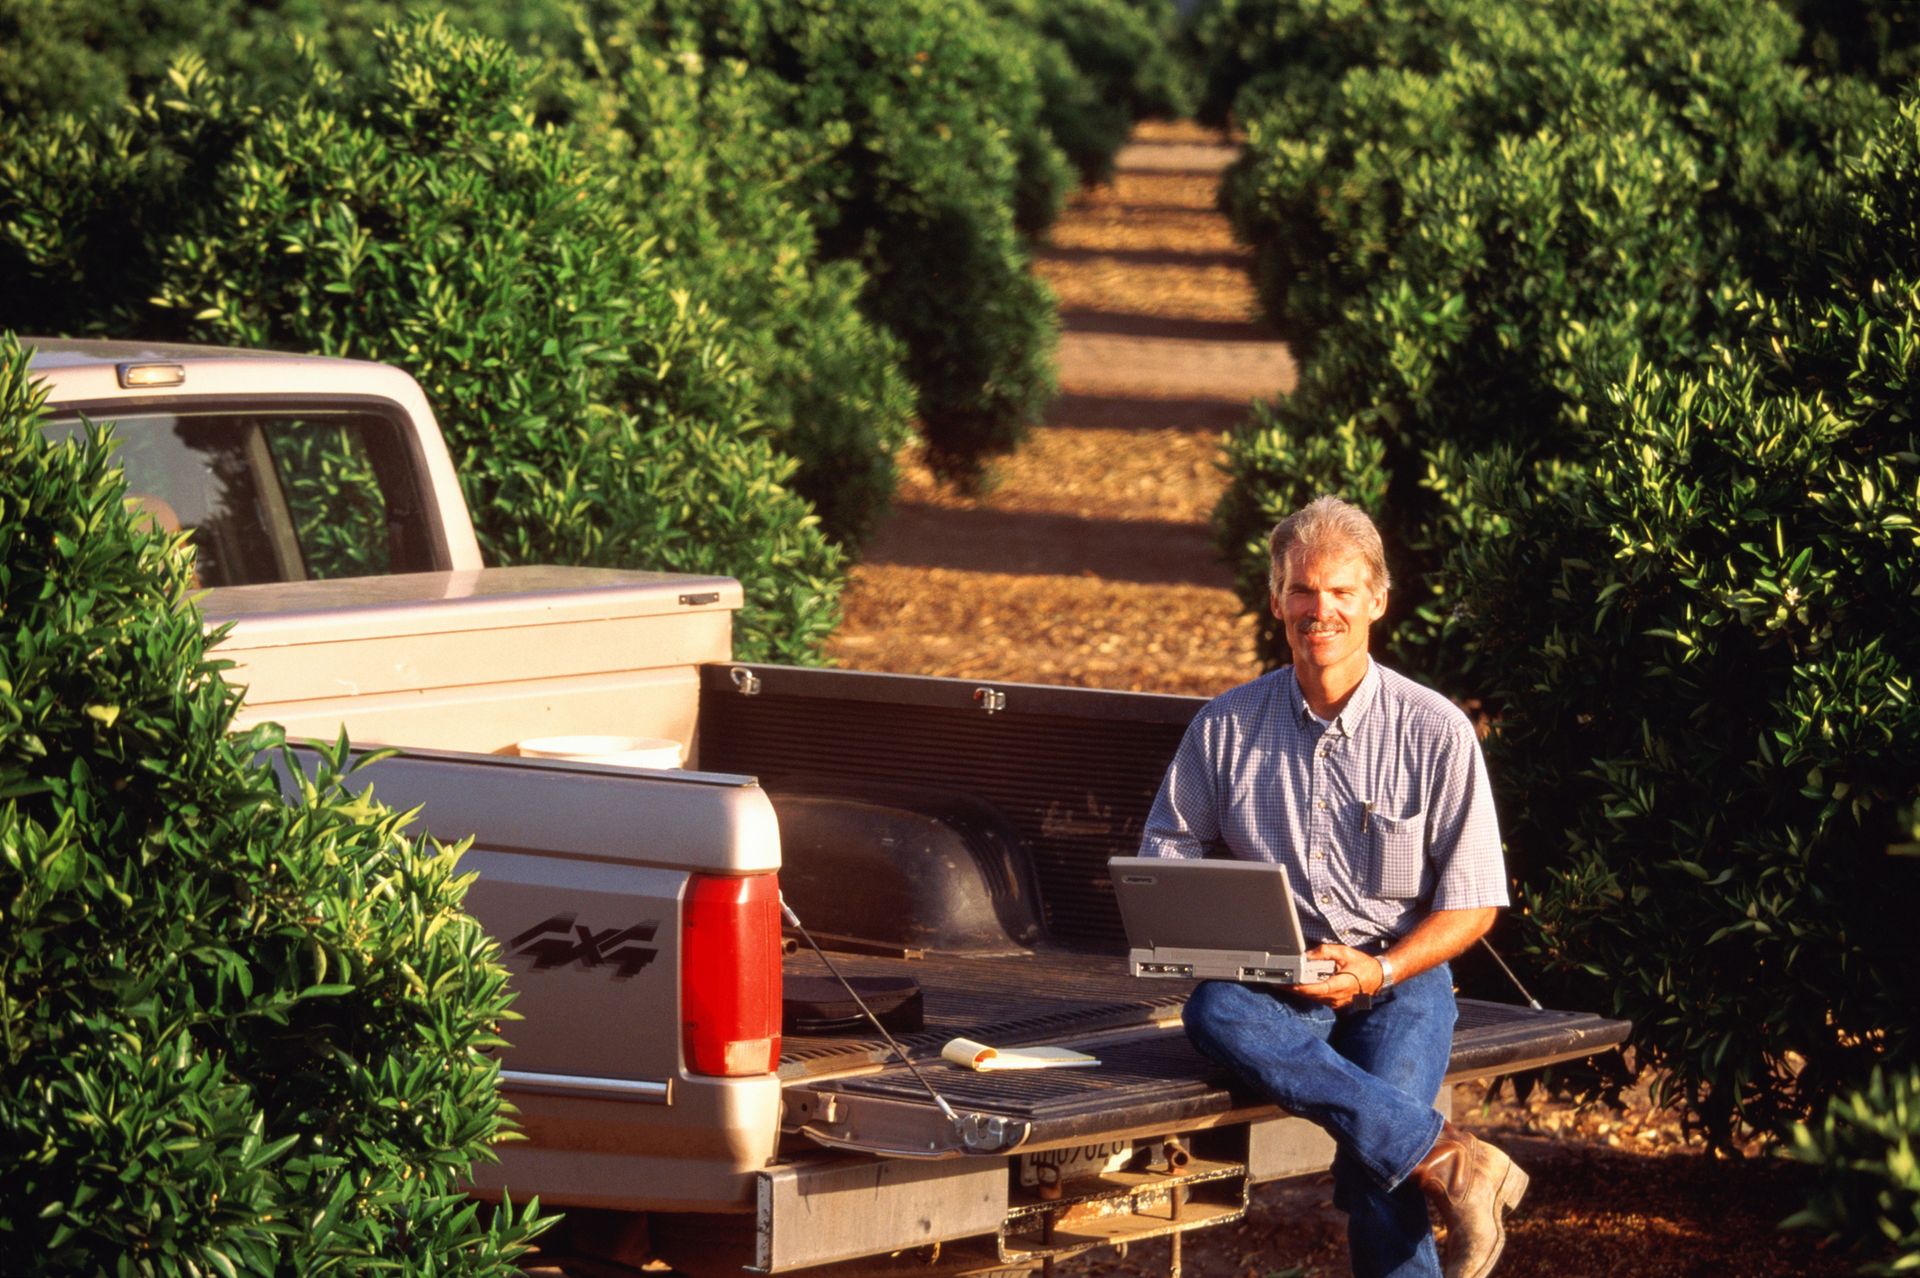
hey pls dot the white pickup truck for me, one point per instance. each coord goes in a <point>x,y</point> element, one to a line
<point>945,840</point>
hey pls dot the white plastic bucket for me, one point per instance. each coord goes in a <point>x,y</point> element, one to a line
<point>627,752</point>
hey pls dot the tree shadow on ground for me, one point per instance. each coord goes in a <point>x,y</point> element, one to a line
<point>1149,551</point>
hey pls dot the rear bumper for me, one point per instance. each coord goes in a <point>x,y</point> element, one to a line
<point>1152,1089</point>
<point>819,1209</point>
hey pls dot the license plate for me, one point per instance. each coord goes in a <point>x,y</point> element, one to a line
<point>1076,1162</point>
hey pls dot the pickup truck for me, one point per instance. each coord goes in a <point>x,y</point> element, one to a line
<point>944,841</point>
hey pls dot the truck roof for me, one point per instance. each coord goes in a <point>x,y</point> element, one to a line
<point>91,371</point>
<point>70,352</point>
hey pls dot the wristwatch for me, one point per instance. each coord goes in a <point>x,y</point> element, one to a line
<point>1386,971</point>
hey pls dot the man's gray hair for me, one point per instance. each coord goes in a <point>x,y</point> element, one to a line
<point>1327,524</point>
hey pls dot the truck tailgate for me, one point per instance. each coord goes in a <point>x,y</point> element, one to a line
<point>1149,1077</point>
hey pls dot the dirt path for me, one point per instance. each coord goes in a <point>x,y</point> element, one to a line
<point>1089,561</point>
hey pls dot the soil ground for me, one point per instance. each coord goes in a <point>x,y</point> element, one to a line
<point>1087,560</point>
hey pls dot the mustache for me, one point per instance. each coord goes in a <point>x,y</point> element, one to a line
<point>1319,627</point>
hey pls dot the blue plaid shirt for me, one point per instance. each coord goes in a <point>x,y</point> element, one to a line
<point>1381,816</point>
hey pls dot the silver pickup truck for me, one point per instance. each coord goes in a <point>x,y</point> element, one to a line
<point>943,840</point>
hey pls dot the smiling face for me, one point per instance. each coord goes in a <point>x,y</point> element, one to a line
<point>1326,602</point>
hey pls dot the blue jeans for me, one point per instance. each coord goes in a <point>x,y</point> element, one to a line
<point>1368,1077</point>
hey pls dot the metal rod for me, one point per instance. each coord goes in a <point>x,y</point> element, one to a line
<point>793,920</point>
<point>628,1089</point>
<point>1531,1000</point>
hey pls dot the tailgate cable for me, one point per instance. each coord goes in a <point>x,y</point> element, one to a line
<point>1532,1002</point>
<point>794,921</point>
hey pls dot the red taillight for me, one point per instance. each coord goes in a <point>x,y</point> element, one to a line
<point>730,974</point>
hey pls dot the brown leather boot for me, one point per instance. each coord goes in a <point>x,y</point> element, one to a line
<point>1474,1185</point>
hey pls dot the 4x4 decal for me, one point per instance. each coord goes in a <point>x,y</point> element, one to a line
<point>558,941</point>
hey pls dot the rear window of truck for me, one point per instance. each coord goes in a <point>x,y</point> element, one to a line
<point>270,496</point>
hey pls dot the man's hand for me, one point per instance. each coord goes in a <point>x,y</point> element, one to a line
<point>1356,972</point>
<point>1441,936</point>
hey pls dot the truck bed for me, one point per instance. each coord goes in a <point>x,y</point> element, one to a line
<point>1046,784</point>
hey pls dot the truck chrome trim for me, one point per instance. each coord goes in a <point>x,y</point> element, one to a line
<point>644,1090</point>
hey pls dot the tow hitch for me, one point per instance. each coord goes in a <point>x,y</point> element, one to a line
<point>1165,1191</point>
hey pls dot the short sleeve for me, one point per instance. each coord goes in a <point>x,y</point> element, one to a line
<point>1464,834</point>
<point>1184,820</point>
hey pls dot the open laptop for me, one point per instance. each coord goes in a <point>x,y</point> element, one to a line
<point>1212,920</point>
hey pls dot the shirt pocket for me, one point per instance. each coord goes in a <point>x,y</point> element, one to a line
<point>1396,854</point>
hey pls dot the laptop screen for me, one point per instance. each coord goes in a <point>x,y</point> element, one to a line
<point>1241,906</point>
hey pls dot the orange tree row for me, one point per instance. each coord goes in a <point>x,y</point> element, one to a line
<point>1610,314</point>
<point>673,270</point>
